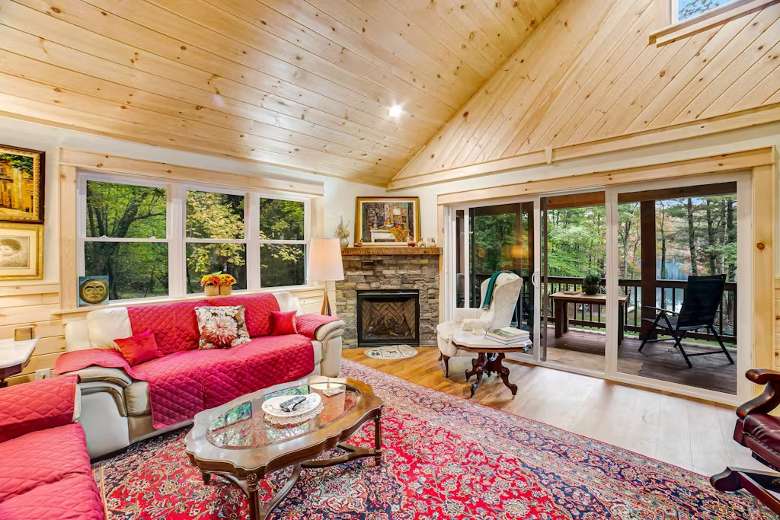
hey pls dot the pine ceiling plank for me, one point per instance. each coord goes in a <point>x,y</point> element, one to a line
<point>291,61</point>
<point>448,88</point>
<point>651,83</point>
<point>581,86</point>
<point>723,67</point>
<point>709,51</point>
<point>182,61</point>
<point>742,73</point>
<point>575,86</point>
<point>231,141</point>
<point>55,54</point>
<point>762,92</point>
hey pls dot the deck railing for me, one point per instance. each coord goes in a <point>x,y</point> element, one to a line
<point>669,295</point>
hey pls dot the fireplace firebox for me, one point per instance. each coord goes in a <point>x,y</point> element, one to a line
<point>388,317</point>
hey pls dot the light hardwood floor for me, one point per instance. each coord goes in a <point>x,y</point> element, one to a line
<point>692,434</point>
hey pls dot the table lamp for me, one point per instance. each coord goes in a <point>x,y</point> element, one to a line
<point>325,265</point>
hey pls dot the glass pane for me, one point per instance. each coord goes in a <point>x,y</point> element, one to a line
<point>682,232</point>
<point>690,8</point>
<point>576,317</point>
<point>135,270</point>
<point>125,211</point>
<point>501,238</point>
<point>214,215</point>
<point>460,273</point>
<point>282,264</point>
<point>281,219</point>
<point>212,258</point>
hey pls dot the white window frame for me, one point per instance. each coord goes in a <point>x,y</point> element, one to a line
<point>176,231</point>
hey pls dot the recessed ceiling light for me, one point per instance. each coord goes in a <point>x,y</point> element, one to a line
<point>395,111</point>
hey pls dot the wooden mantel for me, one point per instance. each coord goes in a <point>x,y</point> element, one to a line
<point>389,250</point>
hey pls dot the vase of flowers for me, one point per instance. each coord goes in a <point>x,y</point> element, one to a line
<point>343,233</point>
<point>226,282</point>
<point>210,284</point>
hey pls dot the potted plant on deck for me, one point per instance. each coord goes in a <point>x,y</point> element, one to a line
<point>591,283</point>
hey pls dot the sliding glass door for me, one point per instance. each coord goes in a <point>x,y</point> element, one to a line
<point>494,238</point>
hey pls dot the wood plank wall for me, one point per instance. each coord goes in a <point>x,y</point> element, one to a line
<point>589,73</point>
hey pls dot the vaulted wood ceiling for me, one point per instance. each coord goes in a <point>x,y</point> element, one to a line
<point>300,83</point>
<point>589,79</point>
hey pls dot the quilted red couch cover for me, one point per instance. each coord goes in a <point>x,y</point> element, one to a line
<point>44,464</point>
<point>186,380</point>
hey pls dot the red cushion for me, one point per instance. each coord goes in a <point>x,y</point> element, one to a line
<point>283,323</point>
<point>139,348</point>
<point>174,324</point>
<point>258,308</point>
<point>36,405</point>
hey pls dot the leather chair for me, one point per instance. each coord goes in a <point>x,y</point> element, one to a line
<point>759,431</point>
<point>498,315</point>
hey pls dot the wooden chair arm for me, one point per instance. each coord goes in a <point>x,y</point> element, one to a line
<point>769,398</point>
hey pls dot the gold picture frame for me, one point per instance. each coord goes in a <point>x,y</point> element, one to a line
<point>387,221</point>
<point>22,184</point>
<point>21,251</point>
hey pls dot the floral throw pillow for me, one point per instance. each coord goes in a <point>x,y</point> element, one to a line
<point>221,327</point>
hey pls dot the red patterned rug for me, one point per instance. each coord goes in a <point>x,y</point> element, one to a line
<point>444,457</point>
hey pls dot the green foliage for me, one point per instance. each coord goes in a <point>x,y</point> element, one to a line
<point>125,211</point>
<point>20,162</point>
<point>281,219</point>
<point>576,241</point>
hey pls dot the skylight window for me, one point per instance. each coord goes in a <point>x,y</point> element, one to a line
<point>684,9</point>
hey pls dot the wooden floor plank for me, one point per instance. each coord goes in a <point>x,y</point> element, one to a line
<point>691,434</point>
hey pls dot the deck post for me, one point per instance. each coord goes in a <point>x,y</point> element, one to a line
<point>648,267</point>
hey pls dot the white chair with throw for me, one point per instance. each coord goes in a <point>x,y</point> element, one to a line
<point>506,291</point>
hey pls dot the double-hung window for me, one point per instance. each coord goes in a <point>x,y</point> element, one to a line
<point>215,236</point>
<point>684,9</point>
<point>124,233</point>
<point>158,238</point>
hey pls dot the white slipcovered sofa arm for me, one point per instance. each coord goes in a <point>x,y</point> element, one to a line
<point>329,335</point>
<point>331,330</point>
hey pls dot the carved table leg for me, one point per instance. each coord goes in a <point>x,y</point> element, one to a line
<point>254,498</point>
<point>495,364</point>
<point>477,368</point>
<point>206,477</point>
<point>378,438</point>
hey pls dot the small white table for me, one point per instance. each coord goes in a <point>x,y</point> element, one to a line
<point>490,355</point>
<point>14,356</point>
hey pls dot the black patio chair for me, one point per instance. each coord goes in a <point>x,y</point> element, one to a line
<point>700,303</point>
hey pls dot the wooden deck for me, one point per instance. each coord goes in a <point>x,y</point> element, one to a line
<point>657,360</point>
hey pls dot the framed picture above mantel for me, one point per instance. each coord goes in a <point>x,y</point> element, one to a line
<point>387,221</point>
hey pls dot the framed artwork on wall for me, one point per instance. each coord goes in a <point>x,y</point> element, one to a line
<point>21,184</point>
<point>21,251</point>
<point>387,221</point>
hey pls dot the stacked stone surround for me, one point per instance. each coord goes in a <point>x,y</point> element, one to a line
<point>374,270</point>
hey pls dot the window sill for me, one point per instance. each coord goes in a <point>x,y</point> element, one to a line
<point>697,24</point>
<point>298,290</point>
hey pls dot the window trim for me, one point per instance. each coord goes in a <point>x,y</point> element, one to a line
<point>677,30</point>
<point>176,230</point>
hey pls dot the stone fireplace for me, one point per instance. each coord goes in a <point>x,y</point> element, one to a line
<point>385,291</point>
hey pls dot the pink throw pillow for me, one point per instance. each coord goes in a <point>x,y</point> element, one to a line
<point>221,327</point>
<point>139,348</point>
<point>283,323</point>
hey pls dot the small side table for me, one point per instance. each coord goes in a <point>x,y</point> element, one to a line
<point>14,356</point>
<point>490,357</point>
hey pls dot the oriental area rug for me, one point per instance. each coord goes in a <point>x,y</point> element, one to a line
<point>444,458</point>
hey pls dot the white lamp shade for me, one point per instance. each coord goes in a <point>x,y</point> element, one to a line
<point>325,260</point>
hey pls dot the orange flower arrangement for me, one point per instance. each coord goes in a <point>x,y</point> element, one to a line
<point>217,280</point>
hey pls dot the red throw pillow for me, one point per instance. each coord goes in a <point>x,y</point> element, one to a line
<point>139,348</point>
<point>283,323</point>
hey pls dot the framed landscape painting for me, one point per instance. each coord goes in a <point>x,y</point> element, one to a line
<point>21,251</point>
<point>387,221</point>
<point>21,185</point>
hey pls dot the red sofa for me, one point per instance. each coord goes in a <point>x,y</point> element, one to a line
<point>122,404</point>
<point>44,465</point>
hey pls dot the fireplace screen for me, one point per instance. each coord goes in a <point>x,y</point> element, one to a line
<point>388,317</point>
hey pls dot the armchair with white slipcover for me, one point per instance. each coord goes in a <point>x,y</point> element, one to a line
<point>502,307</point>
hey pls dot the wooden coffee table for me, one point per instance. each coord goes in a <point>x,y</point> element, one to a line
<point>490,357</point>
<point>252,448</point>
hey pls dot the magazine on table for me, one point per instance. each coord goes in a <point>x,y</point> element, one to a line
<point>508,335</point>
